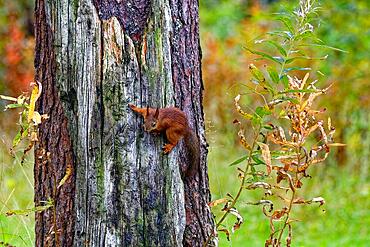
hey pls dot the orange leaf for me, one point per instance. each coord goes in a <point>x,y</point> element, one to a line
<point>216,202</point>
<point>226,232</point>
<point>266,156</point>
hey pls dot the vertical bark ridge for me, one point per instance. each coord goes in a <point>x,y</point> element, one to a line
<point>54,151</point>
<point>186,69</point>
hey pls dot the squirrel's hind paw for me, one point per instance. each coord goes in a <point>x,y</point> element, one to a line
<point>167,148</point>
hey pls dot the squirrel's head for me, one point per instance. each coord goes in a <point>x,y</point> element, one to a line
<point>151,120</point>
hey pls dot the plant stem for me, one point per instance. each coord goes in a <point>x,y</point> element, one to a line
<point>291,46</point>
<point>243,179</point>
<point>249,160</point>
<point>298,151</point>
<point>287,217</point>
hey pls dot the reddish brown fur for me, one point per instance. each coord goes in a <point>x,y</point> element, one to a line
<point>174,123</point>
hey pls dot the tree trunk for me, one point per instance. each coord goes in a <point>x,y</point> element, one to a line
<point>93,58</point>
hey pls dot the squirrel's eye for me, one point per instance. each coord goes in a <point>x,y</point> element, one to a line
<point>154,124</point>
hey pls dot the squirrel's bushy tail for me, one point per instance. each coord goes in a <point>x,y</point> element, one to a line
<point>192,148</point>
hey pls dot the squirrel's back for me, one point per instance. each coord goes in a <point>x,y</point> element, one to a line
<point>172,116</point>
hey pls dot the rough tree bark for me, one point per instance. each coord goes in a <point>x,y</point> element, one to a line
<point>93,58</point>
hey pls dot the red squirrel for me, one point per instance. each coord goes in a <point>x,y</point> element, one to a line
<point>174,123</point>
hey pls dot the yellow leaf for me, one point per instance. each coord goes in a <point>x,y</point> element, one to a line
<point>337,144</point>
<point>239,109</point>
<point>329,123</point>
<point>304,81</point>
<point>35,94</point>
<point>65,178</point>
<point>243,140</point>
<point>218,201</point>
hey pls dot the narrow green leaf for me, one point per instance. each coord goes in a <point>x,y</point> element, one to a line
<point>257,160</point>
<point>25,132</point>
<point>253,171</point>
<point>305,57</point>
<point>280,59</point>
<point>287,23</point>
<point>24,117</point>
<point>284,34</point>
<point>22,133</point>
<point>264,55</point>
<point>278,47</point>
<point>238,161</point>
<point>257,74</point>
<point>325,46</point>
<point>274,76</point>
<point>12,106</point>
<point>17,138</point>
<point>295,68</point>
<point>293,100</point>
<point>289,60</point>
<point>298,91</point>
<point>285,81</point>
<point>268,127</point>
<point>28,211</point>
<point>304,35</point>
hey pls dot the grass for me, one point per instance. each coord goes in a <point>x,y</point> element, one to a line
<point>16,192</point>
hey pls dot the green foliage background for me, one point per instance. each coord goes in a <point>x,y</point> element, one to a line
<point>226,26</point>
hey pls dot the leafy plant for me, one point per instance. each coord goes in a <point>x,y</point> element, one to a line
<point>29,119</point>
<point>288,135</point>
<point>47,204</point>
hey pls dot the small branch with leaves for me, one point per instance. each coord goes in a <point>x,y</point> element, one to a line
<point>29,119</point>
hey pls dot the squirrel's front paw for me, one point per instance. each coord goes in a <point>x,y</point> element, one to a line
<point>167,148</point>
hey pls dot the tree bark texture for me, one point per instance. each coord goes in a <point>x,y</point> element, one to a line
<point>93,58</point>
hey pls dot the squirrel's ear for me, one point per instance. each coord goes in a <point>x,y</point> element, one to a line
<point>156,113</point>
<point>147,110</point>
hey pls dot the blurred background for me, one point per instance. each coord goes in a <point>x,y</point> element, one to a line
<point>227,26</point>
